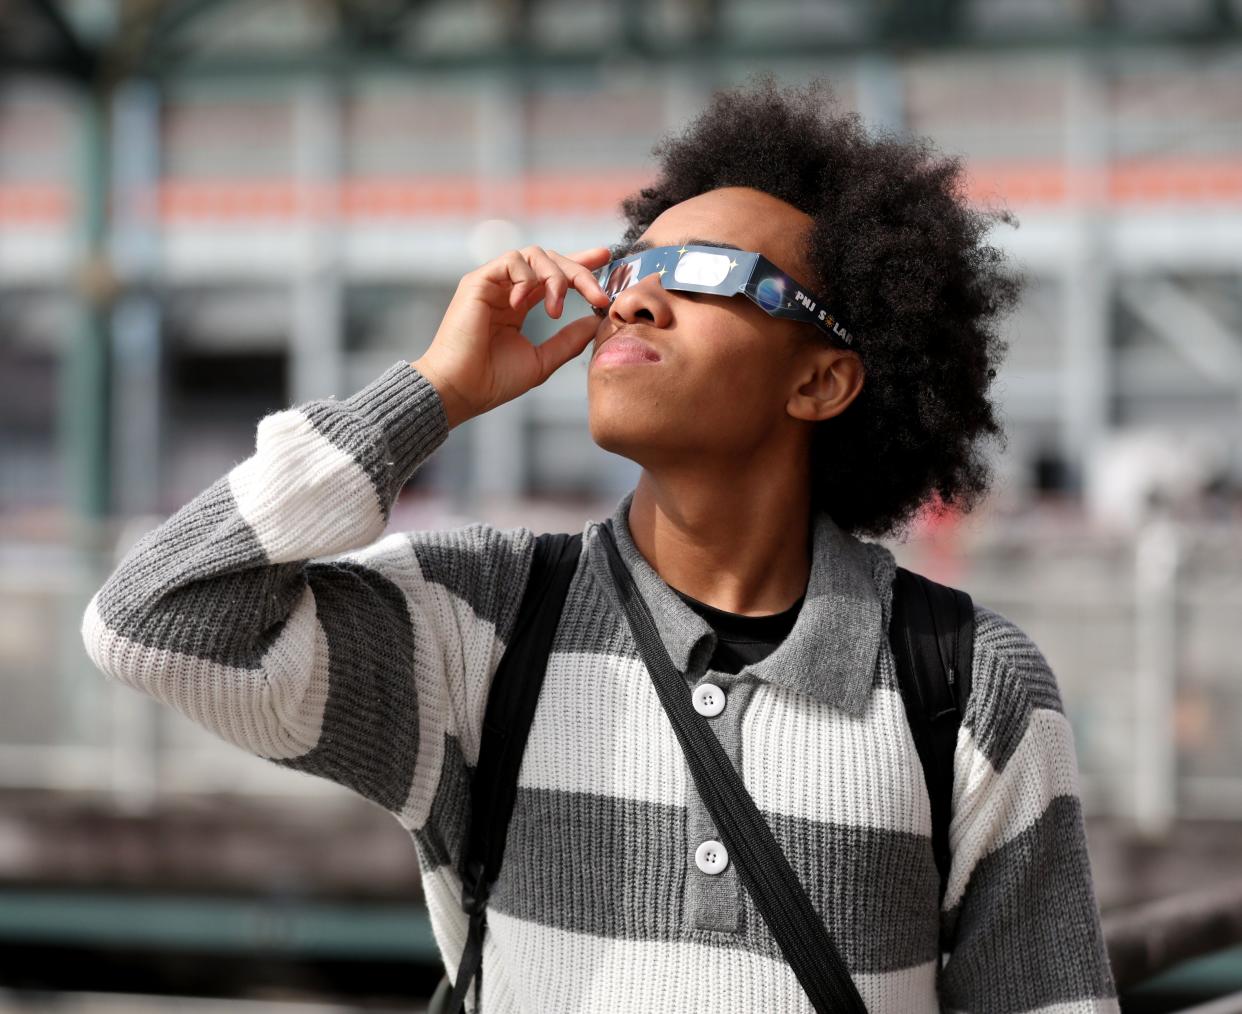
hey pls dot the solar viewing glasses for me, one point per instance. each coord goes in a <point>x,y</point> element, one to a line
<point>723,271</point>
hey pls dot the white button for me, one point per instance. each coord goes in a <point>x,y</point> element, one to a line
<point>709,700</point>
<point>711,857</point>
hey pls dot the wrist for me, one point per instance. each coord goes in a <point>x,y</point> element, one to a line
<point>456,410</point>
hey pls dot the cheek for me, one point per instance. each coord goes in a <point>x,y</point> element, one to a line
<point>720,399</point>
<point>736,367</point>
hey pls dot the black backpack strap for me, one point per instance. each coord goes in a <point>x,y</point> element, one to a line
<point>932,633</point>
<point>510,710</point>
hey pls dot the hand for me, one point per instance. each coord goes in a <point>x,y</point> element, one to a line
<point>479,358</point>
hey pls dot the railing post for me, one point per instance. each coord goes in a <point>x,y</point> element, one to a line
<point>1156,563</point>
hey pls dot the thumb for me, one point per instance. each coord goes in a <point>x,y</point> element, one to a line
<point>568,342</point>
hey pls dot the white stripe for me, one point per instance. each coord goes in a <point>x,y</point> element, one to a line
<point>584,972</point>
<point>273,712</point>
<point>600,728</point>
<point>805,758</point>
<point>991,808</point>
<point>442,895</point>
<point>295,666</point>
<point>302,495</point>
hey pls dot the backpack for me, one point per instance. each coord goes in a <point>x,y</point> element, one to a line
<point>931,632</point>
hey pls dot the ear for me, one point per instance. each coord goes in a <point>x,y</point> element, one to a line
<point>827,379</point>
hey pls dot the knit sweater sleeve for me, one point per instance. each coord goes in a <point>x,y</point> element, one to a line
<point>359,668</point>
<point>1020,913</point>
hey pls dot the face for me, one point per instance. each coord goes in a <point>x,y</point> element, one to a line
<point>730,380</point>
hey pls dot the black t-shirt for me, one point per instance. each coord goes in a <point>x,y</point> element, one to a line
<point>741,639</point>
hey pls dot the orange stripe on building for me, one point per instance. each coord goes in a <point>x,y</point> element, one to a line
<point>33,204</point>
<point>1135,183</point>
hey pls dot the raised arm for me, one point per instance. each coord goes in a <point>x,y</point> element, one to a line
<point>1020,910</point>
<point>341,668</point>
<point>357,668</point>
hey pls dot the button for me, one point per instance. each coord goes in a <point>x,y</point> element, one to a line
<point>709,700</point>
<point>711,857</point>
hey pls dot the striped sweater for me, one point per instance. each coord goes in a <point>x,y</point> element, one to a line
<point>273,610</point>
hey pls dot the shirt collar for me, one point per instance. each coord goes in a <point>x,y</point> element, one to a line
<point>831,652</point>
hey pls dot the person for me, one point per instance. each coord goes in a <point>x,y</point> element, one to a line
<point>768,448</point>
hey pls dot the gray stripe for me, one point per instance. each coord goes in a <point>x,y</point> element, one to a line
<point>610,866</point>
<point>440,839</point>
<point>199,584</point>
<point>353,436</point>
<point>617,867</point>
<point>1028,926</point>
<point>1010,678</point>
<point>591,624</point>
<point>839,628</point>
<point>1002,636</point>
<point>406,408</point>
<point>485,567</point>
<point>402,409</point>
<point>369,739</point>
<point>594,625</point>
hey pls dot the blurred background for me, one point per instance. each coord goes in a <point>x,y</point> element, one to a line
<point>213,209</point>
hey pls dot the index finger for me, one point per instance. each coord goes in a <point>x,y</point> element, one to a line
<point>577,268</point>
<point>597,254</point>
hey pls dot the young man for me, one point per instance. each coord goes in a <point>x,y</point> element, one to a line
<point>767,443</point>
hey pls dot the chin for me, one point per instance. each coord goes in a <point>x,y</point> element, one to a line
<point>622,428</point>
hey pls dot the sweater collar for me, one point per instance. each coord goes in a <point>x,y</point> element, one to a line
<point>831,652</point>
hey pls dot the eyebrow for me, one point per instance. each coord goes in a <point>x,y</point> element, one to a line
<point>641,244</point>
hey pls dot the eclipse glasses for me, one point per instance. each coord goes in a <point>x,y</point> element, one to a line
<point>723,271</point>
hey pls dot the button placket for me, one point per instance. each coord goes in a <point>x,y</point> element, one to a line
<point>714,900</point>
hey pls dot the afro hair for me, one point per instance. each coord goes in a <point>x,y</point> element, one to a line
<point>899,254</point>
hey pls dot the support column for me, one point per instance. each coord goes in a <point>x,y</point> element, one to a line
<point>84,411</point>
<point>1156,566</point>
<point>316,353</point>
<point>139,419</point>
<point>84,426</point>
<point>880,83</point>
<point>499,440</point>
<point>1088,278</point>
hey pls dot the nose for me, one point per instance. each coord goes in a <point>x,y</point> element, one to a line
<point>646,300</point>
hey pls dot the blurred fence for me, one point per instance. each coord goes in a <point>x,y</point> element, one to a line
<point>1139,631</point>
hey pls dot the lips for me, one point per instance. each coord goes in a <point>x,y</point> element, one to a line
<point>626,348</point>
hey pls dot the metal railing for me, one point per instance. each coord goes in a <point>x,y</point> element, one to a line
<point>1146,940</point>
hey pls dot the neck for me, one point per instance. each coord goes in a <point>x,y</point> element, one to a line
<point>744,548</point>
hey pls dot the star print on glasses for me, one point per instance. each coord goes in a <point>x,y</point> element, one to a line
<point>723,271</point>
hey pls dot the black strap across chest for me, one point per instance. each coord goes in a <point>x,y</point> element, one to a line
<point>932,636</point>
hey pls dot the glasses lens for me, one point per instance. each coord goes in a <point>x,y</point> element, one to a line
<point>623,275</point>
<point>698,267</point>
